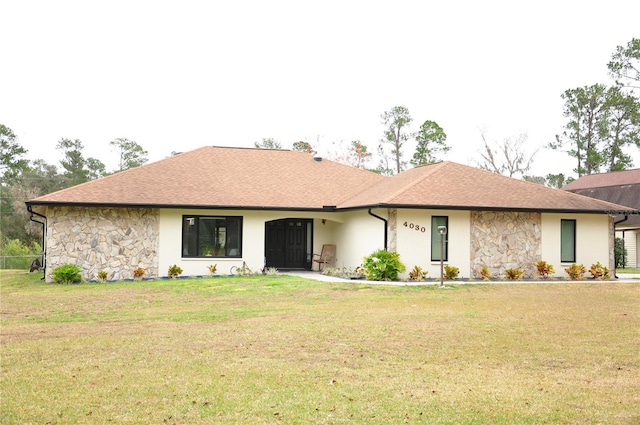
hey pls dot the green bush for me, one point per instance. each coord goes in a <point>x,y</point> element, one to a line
<point>17,255</point>
<point>174,271</point>
<point>620,254</point>
<point>383,265</point>
<point>451,272</point>
<point>67,273</point>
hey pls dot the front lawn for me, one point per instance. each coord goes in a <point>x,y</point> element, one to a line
<point>268,349</point>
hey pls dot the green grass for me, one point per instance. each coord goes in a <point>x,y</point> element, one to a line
<point>628,270</point>
<point>283,349</point>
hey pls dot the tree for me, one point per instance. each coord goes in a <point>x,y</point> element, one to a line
<point>358,154</point>
<point>602,122</point>
<point>39,178</point>
<point>304,147</point>
<point>508,158</point>
<point>396,120</point>
<point>431,140</point>
<point>623,129</point>
<point>73,162</point>
<point>130,153</point>
<point>585,107</point>
<point>268,144</point>
<point>77,168</point>
<point>624,66</point>
<point>535,179</point>
<point>11,153</point>
<point>557,181</point>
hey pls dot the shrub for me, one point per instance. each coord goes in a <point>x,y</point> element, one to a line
<point>451,272</point>
<point>331,271</point>
<point>271,271</point>
<point>16,254</point>
<point>174,271</point>
<point>598,271</point>
<point>383,265</point>
<point>575,271</point>
<point>620,253</point>
<point>352,273</point>
<point>67,273</point>
<point>139,273</point>
<point>485,274</point>
<point>544,269</point>
<point>418,274</point>
<point>102,275</point>
<point>514,274</point>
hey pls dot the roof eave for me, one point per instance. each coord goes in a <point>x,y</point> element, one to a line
<point>331,208</point>
<point>177,206</point>
<point>493,208</point>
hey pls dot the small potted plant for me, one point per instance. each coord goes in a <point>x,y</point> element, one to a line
<point>174,271</point>
<point>451,272</point>
<point>598,271</point>
<point>514,273</point>
<point>102,276</point>
<point>139,273</point>
<point>576,271</point>
<point>485,274</point>
<point>544,269</point>
<point>417,274</point>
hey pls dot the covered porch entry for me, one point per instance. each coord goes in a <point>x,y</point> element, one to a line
<point>289,243</point>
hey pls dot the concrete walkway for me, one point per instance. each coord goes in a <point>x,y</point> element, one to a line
<point>622,278</point>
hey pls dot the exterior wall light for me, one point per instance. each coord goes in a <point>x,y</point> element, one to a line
<point>443,231</point>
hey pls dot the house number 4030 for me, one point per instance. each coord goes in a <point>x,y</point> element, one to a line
<point>415,227</point>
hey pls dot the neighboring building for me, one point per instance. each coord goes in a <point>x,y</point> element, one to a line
<point>619,187</point>
<point>276,208</point>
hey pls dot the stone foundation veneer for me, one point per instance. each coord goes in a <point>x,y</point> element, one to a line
<point>504,240</point>
<point>116,240</point>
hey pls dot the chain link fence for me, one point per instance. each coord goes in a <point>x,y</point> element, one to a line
<point>18,262</point>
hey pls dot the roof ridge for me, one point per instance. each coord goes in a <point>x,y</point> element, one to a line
<point>432,167</point>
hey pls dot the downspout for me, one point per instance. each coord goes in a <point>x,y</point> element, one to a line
<point>385,227</point>
<point>626,217</point>
<point>44,238</point>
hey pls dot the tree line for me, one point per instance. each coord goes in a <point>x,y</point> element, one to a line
<point>602,122</point>
<point>21,180</point>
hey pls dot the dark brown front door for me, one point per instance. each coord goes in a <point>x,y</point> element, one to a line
<point>286,243</point>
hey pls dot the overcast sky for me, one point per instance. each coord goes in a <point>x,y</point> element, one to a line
<point>178,75</point>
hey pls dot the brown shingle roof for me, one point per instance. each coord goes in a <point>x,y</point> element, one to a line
<point>451,185</point>
<point>223,177</point>
<point>619,187</point>
<point>614,178</point>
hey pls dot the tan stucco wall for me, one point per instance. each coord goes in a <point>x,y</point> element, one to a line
<point>593,240</point>
<point>359,235</point>
<point>114,240</point>
<point>253,234</point>
<point>414,240</point>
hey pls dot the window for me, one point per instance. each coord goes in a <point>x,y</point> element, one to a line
<point>206,236</point>
<point>567,241</point>
<point>435,238</point>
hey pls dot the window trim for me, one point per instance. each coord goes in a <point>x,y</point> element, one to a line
<point>563,242</point>
<point>435,233</point>
<point>195,219</point>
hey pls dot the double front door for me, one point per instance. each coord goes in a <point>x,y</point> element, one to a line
<point>288,243</point>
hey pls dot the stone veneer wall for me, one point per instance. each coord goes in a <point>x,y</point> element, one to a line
<point>392,233</point>
<point>503,240</point>
<point>117,240</point>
